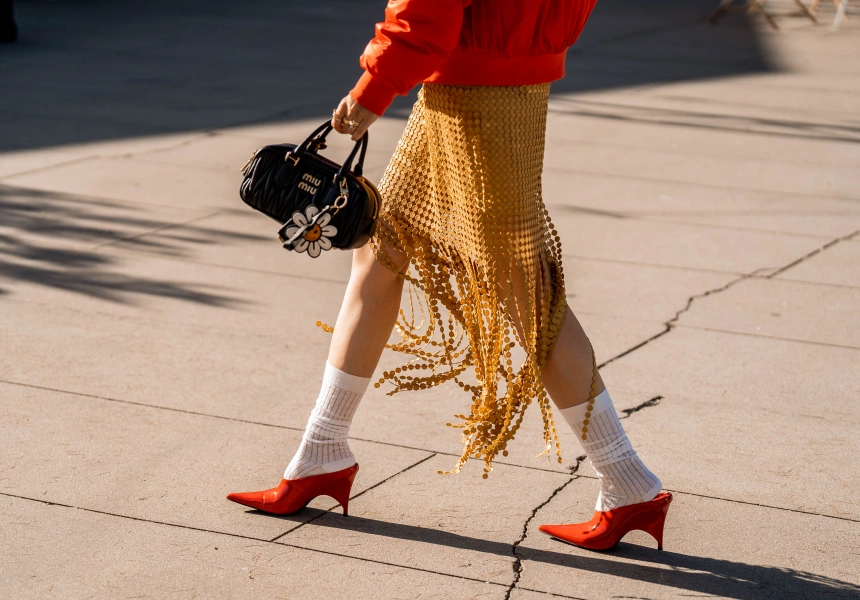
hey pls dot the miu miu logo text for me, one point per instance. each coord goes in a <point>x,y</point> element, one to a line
<point>309,183</point>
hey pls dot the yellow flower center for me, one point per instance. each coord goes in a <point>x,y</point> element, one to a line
<point>314,234</point>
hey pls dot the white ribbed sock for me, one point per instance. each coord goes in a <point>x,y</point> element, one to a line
<point>324,447</point>
<point>624,478</point>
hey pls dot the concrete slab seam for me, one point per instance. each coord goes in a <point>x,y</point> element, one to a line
<point>817,284</point>
<point>657,219</point>
<point>204,134</point>
<point>701,185</point>
<point>768,337</point>
<point>268,118</point>
<point>393,445</point>
<point>97,155</point>
<point>697,153</point>
<point>164,227</point>
<point>46,167</point>
<point>618,261</point>
<point>284,544</point>
<point>91,196</point>
<point>137,318</point>
<point>663,120</point>
<point>746,502</point>
<point>361,493</point>
<point>593,114</point>
<point>243,269</point>
<point>250,422</point>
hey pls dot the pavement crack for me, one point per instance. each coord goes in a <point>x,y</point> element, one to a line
<point>647,404</point>
<point>711,292</point>
<point>815,252</point>
<point>518,562</point>
<point>671,323</point>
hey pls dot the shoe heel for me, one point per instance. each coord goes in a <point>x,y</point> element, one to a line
<point>340,490</point>
<point>655,529</point>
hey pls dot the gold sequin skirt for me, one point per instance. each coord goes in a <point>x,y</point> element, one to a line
<point>462,198</point>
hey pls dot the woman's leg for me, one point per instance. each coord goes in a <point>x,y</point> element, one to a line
<point>368,313</point>
<point>624,478</point>
<point>569,369</point>
<point>567,378</point>
<point>367,316</point>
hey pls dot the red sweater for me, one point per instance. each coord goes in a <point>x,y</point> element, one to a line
<point>467,42</point>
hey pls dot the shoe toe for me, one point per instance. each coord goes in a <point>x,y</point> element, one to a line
<point>252,499</point>
<point>553,530</point>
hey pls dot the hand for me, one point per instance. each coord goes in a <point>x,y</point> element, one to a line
<point>349,111</point>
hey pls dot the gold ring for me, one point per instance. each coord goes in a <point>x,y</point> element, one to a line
<point>350,123</point>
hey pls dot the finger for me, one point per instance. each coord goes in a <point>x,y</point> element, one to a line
<point>361,130</point>
<point>351,124</point>
<point>338,117</point>
<point>366,119</point>
<point>356,121</point>
<point>338,125</point>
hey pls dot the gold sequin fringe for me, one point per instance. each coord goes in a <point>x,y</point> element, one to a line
<point>462,198</point>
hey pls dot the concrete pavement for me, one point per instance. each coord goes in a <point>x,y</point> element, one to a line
<point>158,349</point>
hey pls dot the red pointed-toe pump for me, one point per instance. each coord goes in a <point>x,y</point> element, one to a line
<point>292,495</point>
<point>605,529</point>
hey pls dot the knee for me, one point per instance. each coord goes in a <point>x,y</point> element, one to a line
<point>364,259</point>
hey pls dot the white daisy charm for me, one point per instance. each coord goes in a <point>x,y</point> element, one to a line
<point>315,239</point>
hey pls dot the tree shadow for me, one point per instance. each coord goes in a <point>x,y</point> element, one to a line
<point>696,574</point>
<point>96,70</point>
<point>52,239</point>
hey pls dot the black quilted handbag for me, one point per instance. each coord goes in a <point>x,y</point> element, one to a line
<point>320,204</point>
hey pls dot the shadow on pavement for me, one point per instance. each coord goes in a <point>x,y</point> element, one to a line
<point>702,575</point>
<point>97,70</point>
<point>89,70</point>
<point>51,239</point>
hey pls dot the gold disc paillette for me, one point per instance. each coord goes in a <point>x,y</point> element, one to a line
<point>462,197</point>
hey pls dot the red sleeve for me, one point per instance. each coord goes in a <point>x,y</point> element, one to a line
<point>410,45</point>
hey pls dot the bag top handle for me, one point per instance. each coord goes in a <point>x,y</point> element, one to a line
<point>359,166</point>
<point>319,135</point>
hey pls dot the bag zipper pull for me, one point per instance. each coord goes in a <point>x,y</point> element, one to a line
<point>250,160</point>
